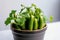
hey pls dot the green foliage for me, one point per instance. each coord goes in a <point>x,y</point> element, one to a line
<point>28,19</point>
<point>11,17</point>
<point>8,20</point>
<point>12,13</point>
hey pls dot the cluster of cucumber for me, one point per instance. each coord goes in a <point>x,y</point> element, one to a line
<point>34,23</point>
<point>28,19</point>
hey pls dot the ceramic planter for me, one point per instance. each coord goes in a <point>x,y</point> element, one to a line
<point>28,35</point>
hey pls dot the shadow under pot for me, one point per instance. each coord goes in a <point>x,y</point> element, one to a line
<point>28,35</point>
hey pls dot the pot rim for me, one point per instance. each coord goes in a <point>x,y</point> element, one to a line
<point>38,30</point>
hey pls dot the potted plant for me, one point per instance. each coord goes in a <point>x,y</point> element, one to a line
<point>28,24</point>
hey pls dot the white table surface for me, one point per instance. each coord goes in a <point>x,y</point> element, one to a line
<point>52,32</point>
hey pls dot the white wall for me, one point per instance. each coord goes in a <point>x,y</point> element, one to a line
<point>50,7</point>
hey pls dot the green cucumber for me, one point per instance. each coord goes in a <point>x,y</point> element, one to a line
<point>40,22</point>
<point>31,22</point>
<point>35,24</point>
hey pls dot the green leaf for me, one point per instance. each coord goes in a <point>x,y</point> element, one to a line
<point>28,9</point>
<point>33,5</point>
<point>8,20</point>
<point>21,21</point>
<point>21,10</point>
<point>37,13</point>
<point>44,19</point>
<point>12,13</point>
<point>16,26</point>
<point>51,18</point>
<point>38,10</point>
<point>26,15</point>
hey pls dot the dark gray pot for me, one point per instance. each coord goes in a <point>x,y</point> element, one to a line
<point>28,35</point>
